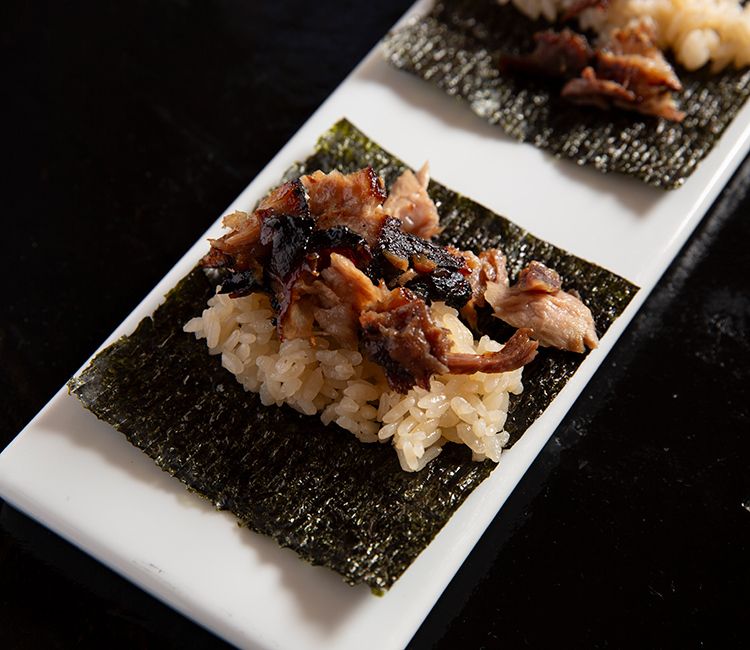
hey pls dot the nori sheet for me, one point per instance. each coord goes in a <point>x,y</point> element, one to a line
<point>316,489</point>
<point>457,46</point>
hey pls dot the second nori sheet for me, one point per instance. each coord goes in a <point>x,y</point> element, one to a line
<point>316,489</point>
<point>457,46</point>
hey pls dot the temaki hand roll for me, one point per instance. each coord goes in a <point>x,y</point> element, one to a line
<point>348,314</point>
<point>594,82</point>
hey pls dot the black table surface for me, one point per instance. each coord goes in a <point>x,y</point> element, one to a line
<point>129,126</point>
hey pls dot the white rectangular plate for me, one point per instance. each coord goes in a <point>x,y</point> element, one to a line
<point>86,482</point>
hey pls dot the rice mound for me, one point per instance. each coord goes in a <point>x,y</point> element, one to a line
<point>697,31</point>
<point>352,392</point>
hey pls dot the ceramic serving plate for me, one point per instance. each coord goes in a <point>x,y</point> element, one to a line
<point>83,480</point>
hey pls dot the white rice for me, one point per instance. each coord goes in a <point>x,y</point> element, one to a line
<point>536,9</point>
<point>697,31</point>
<point>352,392</point>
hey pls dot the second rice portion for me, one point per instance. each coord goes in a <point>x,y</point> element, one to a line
<point>697,31</point>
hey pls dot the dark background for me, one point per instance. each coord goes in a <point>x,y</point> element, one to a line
<point>128,127</point>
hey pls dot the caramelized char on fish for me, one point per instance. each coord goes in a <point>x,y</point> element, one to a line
<point>352,200</point>
<point>556,54</point>
<point>431,271</point>
<point>337,263</point>
<point>629,72</point>
<point>626,70</point>
<point>400,334</point>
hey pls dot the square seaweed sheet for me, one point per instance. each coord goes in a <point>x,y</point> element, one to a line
<point>315,488</point>
<point>458,44</point>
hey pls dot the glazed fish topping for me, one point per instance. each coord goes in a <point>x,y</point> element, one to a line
<point>341,258</point>
<point>626,70</point>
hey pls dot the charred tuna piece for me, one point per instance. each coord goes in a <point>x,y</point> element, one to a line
<point>626,70</point>
<point>428,269</point>
<point>335,201</point>
<point>352,200</point>
<point>630,56</point>
<point>629,72</point>
<point>442,284</point>
<point>590,90</point>
<point>289,198</point>
<point>241,283</point>
<point>343,293</point>
<point>332,200</point>
<point>359,201</point>
<point>412,206</point>
<point>287,239</point>
<point>299,254</point>
<point>402,250</point>
<point>330,298</point>
<point>400,334</point>
<point>537,302</point>
<point>556,54</point>
<point>486,267</point>
<point>241,248</point>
